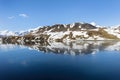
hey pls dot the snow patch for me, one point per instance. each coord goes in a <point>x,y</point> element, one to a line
<point>93,23</point>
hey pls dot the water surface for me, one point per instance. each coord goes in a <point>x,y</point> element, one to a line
<point>88,60</point>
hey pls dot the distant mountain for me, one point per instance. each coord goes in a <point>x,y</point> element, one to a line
<point>67,32</point>
<point>7,33</point>
<point>16,33</point>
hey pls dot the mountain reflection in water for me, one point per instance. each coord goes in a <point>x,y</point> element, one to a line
<point>96,60</point>
<point>71,48</point>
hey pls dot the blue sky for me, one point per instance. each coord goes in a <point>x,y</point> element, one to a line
<point>18,15</point>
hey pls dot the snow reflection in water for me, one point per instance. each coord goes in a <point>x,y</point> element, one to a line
<point>71,48</point>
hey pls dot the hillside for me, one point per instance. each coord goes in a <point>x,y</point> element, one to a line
<point>69,32</point>
<point>76,31</point>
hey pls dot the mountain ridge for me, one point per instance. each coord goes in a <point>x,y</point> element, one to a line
<point>70,32</point>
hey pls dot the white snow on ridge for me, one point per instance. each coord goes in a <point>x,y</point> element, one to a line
<point>7,33</point>
<point>34,29</point>
<point>73,24</point>
<point>17,33</point>
<point>57,35</point>
<point>113,31</point>
<point>10,33</point>
<point>93,23</point>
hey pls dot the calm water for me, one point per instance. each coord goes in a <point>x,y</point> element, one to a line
<point>60,61</point>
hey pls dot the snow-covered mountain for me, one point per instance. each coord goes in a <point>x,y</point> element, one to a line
<point>6,33</point>
<point>77,31</point>
<point>68,32</point>
<point>17,33</point>
<point>11,33</point>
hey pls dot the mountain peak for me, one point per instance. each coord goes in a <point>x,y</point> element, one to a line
<point>93,23</point>
<point>68,32</point>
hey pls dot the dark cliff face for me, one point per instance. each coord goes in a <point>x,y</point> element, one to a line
<point>119,27</point>
<point>88,26</point>
<point>63,28</point>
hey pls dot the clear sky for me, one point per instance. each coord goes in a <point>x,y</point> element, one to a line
<point>18,15</point>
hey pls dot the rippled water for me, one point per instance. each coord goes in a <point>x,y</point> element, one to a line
<point>86,60</point>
